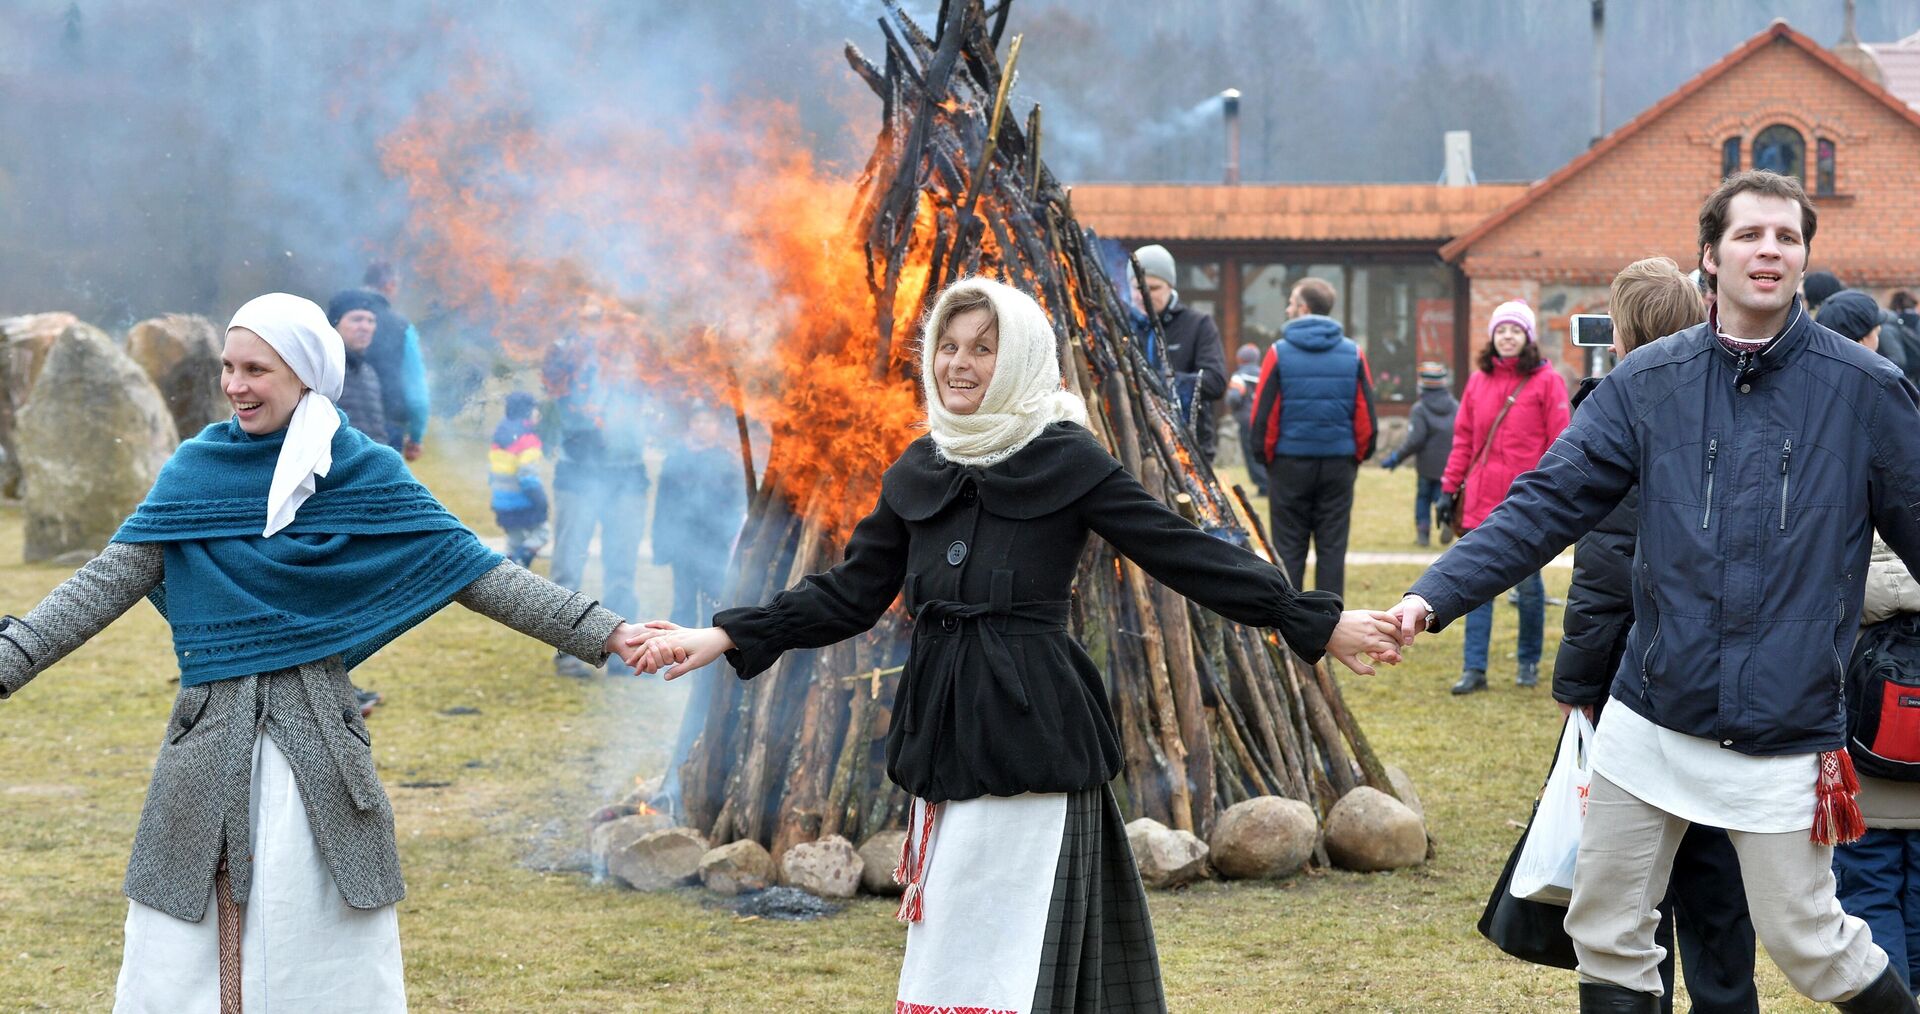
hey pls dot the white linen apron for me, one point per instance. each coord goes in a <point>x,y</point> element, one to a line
<point>303,948</point>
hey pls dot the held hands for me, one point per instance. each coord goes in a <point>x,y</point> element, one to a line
<point>1410,618</point>
<point>659,645</point>
<point>1365,635</point>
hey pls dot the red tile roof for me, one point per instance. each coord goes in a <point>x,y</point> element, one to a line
<point>1402,212</point>
<point>1778,30</point>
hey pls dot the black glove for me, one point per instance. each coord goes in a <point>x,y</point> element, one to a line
<point>1443,506</point>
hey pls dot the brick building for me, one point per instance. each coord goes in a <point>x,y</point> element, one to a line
<point>1421,266</point>
<point>1780,101</point>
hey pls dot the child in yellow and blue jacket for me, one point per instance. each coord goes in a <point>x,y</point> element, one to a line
<point>519,498</point>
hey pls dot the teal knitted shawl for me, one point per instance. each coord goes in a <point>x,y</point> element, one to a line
<point>370,555</point>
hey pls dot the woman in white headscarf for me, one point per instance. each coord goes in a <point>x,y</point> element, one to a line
<point>283,548</point>
<point>1021,894</point>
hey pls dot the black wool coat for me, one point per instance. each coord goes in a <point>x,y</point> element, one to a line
<point>997,698</point>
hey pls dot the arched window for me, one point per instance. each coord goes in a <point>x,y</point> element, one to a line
<point>1781,149</point>
<point>1823,152</point>
<point>1729,157</point>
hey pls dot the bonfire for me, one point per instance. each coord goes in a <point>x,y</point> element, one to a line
<point>795,303</point>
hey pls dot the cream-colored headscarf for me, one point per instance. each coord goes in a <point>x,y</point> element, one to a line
<point>1024,395</point>
<point>297,329</point>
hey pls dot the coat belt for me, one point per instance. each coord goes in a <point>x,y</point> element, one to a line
<point>987,623</point>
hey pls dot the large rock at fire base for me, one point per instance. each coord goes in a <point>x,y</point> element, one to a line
<point>829,868</point>
<point>737,868</point>
<point>1368,830</point>
<point>92,439</point>
<point>24,342</point>
<point>1263,838</point>
<point>660,860</point>
<point>881,854</point>
<point>181,353</point>
<point>1166,857</point>
<point>619,834</point>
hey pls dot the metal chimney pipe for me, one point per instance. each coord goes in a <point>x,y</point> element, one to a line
<point>1230,112</point>
<point>1599,71</point>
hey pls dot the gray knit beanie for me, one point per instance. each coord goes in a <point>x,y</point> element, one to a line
<point>1156,262</point>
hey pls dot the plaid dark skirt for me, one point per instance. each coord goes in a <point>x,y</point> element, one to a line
<point>1089,951</point>
<point>1099,953</point>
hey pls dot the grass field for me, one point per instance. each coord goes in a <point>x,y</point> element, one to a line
<point>493,762</point>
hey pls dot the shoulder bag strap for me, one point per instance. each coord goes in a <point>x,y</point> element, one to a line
<point>1487,444</point>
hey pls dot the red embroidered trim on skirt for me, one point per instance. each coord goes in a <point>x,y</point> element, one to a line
<point>903,1007</point>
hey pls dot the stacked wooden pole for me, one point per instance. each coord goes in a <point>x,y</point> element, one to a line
<point>1211,712</point>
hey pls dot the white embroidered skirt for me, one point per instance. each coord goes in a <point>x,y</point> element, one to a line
<point>1029,905</point>
<point>303,948</point>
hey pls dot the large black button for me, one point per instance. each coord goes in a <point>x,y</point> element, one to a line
<point>186,723</point>
<point>349,714</point>
<point>967,492</point>
<point>956,553</point>
<point>949,624</point>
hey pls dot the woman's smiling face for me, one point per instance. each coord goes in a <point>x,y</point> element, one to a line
<point>964,360</point>
<point>260,385</point>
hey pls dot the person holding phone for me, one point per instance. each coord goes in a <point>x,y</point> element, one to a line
<point>1705,910</point>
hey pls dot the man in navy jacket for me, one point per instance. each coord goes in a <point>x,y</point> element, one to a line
<point>1766,449</point>
<point>1314,423</point>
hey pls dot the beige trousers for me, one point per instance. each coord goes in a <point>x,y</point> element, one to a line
<point>1626,854</point>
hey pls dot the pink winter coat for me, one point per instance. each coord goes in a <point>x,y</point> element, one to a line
<point>1539,413</point>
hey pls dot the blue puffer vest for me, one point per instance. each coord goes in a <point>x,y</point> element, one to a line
<point>1319,370</point>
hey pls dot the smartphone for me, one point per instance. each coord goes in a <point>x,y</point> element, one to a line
<point>1592,330</point>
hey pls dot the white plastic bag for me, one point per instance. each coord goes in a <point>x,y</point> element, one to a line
<point>1544,871</point>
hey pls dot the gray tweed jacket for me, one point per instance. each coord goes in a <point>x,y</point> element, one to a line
<point>197,807</point>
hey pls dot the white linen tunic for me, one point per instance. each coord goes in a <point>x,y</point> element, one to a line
<point>1699,780</point>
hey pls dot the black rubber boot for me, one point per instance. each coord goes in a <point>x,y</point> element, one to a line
<point>1886,995</point>
<point>1423,537</point>
<point>1607,998</point>
<point>1528,676</point>
<point>1470,681</point>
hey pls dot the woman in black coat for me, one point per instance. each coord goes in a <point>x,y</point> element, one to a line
<point>1025,897</point>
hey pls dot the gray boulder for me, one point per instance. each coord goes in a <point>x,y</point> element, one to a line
<point>91,440</point>
<point>660,859</point>
<point>1368,830</point>
<point>737,868</point>
<point>181,354</point>
<point>1167,858</point>
<point>829,868</point>
<point>619,833</point>
<point>1263,838</point>
<point>24,342</point>
<point>881,854</point>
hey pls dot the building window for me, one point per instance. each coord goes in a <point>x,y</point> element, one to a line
<point>1729,157</point>
<point>1823,167</point>
<point>1781,149</point>
<point>1264,289</point>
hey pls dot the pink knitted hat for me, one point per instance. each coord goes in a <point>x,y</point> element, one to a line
<point>1513,311</point>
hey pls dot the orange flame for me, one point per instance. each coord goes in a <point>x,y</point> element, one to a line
<point>687,261</point>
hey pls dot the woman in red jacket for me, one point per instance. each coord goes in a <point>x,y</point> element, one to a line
<point>1513,408</point>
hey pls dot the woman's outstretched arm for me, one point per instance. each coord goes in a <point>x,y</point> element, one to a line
<point>518,598</point>
<point>1229,580</point>
<point>80,607</point>
<point>821,610</point>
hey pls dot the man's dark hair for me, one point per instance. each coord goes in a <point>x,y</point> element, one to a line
<point>1316,294</point>
<point>379,275</point>
<point>1713,214</point>
<point>1902,301</point>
